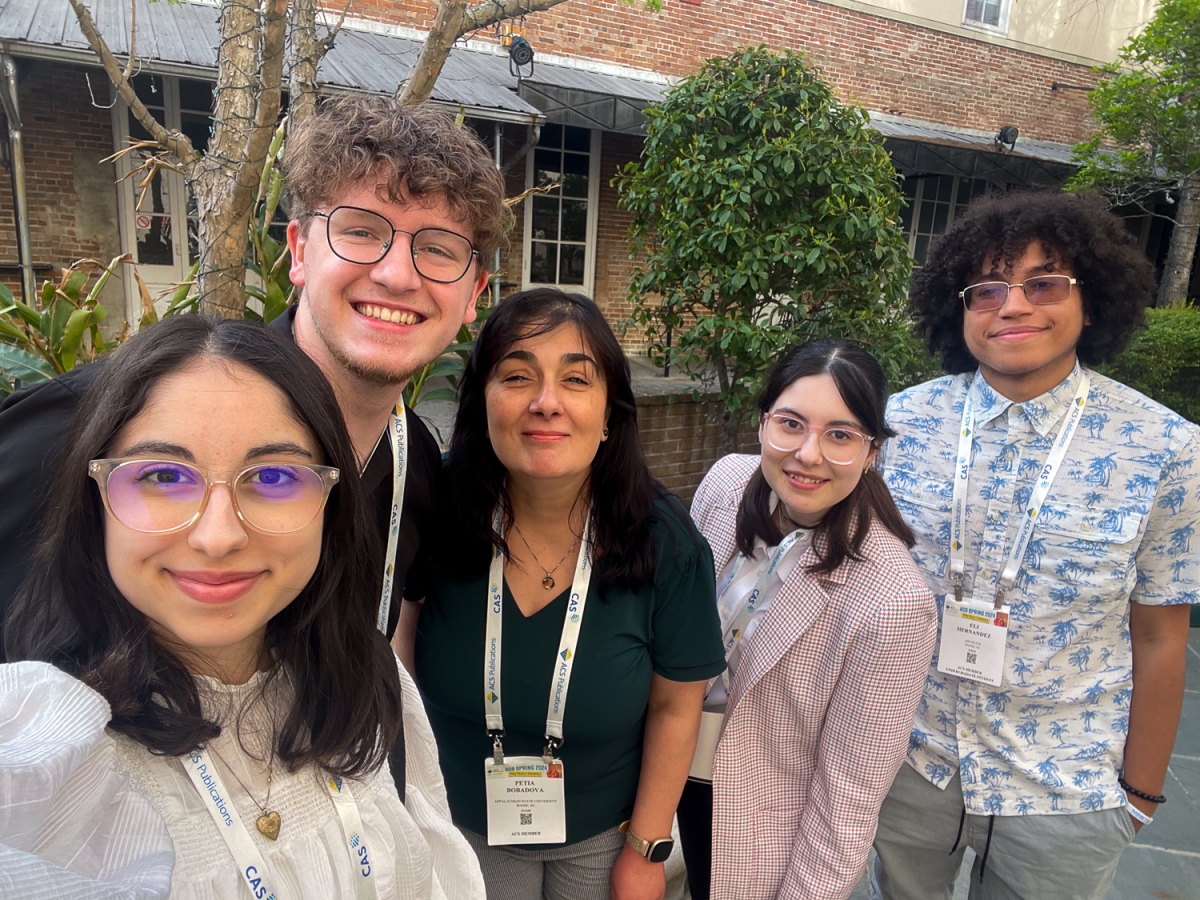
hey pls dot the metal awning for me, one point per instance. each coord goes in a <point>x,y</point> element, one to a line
<point>182,38</point>
<point>591,99</point>
<point>924,148</point>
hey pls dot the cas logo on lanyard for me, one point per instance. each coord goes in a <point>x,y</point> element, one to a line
<point>975,633</point>
<point>526,796</point>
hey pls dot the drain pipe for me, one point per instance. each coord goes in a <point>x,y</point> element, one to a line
<point>8,94</point>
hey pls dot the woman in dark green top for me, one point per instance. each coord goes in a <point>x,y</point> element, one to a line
<point>547,434</point>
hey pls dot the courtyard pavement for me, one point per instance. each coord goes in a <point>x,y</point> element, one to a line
<point>1163,863</point>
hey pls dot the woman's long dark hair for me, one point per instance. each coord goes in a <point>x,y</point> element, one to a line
<point>345,713</point>
<point>621,489</point>
<point>863,386</point>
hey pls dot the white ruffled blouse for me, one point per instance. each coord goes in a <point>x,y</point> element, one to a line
<point>85,813</point>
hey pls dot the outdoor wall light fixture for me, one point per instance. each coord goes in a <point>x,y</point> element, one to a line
<point>520,54</point>
<point>1007,138</point>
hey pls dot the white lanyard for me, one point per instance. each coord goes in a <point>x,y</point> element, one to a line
<point>398,429</point>
<point>352,831</point>
<point>1041,489</point>
<point>564,662</point>
<point>749,604</point>
<point>251,867</point>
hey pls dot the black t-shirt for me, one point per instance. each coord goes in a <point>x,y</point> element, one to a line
<point>33,426</point>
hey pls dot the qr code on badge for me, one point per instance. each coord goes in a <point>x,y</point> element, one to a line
<point>526,818</point>
<point>972,659</point>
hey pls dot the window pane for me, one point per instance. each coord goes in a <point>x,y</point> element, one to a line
<point>575,175</point>
<point>197,127</point>
<point>578,139</point>
<point>939,218</point>
<point>149,89</point>
<point>551,136</point>
<point>547,167</point>
<point>574,220</point>
<point>543,261</point>
<point>545,217</point>
<point>945,188</point>
<point>906,218</point>
<point>921,250</point>
<point>154,245</point>
<point>570,268</point>
<point>926,221</point>
<point>991,13</point>
<point>193,228</point>
<point>910,187</point>
<point>196,96</point>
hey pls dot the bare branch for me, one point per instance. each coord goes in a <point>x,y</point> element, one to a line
<point>483,15</point>
<point>447,27</point>
<point>171,141</point>
<point>305,54</point>
<point>127,74</point>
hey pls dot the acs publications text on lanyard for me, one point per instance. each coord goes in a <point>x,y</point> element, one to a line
<point>526,800</point>
<point>974,633</point>
<point>208,782</point>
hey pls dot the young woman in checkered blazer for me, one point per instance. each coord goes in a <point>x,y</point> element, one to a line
<point>829,629</point>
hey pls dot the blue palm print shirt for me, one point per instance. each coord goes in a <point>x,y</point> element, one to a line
<point>1117,526</point>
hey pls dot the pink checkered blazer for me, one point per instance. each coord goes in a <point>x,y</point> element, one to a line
<point>819,711</point>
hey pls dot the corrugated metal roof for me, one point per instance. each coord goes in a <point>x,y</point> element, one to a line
<point>186,34</point>
<point>915,130</point>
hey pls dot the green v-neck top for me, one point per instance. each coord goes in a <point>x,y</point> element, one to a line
<point>671,629</point>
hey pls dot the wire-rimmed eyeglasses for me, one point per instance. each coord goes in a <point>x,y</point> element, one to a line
<point>840,445</point>
<point>1041,290</point>
<point>158,496</point>
<point>363,237</point>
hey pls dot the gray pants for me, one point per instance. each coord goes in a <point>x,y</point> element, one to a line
<point>572,872</point>
<point>1062,857</point>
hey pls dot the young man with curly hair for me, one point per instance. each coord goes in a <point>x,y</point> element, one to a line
<point>1054,510</point>
<point>396,213</point>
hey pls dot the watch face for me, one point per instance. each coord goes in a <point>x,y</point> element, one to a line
<point>660,850</point>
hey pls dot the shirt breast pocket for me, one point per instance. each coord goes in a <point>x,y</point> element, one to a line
<point>1090,552</point>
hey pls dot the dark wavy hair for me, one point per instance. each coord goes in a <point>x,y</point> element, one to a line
<point>345,713</point>
<point>863,386</point>
<point>621,488</point>
<point>1077,231</point>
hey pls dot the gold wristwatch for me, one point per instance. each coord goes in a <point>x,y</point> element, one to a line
<point>655,851</point>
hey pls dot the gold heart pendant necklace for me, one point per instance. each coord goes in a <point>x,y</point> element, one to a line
<point>269,823</point>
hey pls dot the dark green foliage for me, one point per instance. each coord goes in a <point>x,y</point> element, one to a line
<point>768,214</point>
<point>1163,361</point>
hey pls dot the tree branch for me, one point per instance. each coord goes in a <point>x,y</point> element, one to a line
<point>447,26</point>
<point>483,15</point>
<point>173,142</point>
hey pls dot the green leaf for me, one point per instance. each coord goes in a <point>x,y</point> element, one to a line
<point>72,337</point>
<point>76,279</point>
<point>18,364</point>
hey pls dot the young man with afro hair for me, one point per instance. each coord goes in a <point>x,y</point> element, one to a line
<point>1054,511</point>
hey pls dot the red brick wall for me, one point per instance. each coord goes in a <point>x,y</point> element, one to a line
<point>887,66</point>
<point>681,441</point>
<point>72,201</point>
<point>613,261</point>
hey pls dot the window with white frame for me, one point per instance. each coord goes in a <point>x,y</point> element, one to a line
<point>934,202</point>
<point>989,14</point>
<point>158,221</point>
<point>560,223</point>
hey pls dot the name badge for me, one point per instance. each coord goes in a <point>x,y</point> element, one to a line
<point>706,747</point>
<point>526,803</point>
<point>974,636</point>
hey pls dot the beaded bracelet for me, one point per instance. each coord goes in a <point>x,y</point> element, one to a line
<point>1138,814</point>
<point>1149,798</point>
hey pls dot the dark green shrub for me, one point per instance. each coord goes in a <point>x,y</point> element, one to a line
<point>1163,361</point>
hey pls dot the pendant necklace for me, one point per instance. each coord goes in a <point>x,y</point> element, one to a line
<point>269,822</point>
<point>548,581</point>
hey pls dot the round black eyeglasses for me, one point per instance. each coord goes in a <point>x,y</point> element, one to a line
<point>363,237</point>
